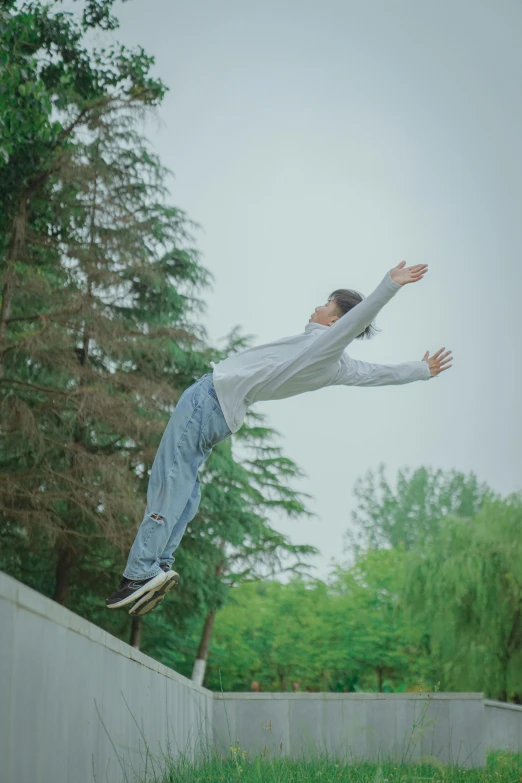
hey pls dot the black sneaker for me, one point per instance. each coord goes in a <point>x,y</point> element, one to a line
<point>131,589</point>
<point>155,597</point>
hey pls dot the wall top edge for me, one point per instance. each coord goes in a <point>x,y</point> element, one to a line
<point>503,705</point>
<point>352,696</point>
<point>29,600</point>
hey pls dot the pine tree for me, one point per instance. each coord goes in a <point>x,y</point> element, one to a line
<point>94,319</point>
<point>99,336</point>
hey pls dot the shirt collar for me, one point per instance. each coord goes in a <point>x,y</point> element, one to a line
<point>312,326</point>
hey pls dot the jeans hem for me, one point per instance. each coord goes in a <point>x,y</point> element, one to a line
<point>141,576</point>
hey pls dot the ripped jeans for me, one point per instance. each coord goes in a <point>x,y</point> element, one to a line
<point>174,493</point>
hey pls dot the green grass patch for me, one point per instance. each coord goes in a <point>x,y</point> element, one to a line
<point>501,768</point>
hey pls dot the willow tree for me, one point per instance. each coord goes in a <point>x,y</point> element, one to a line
<point>467,587</point>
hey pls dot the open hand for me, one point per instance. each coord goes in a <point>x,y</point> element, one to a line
<point>439,361</point>
<point>403,274</point>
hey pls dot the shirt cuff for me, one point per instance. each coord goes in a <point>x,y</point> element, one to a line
<point>391,282</point>
<point>427,372</point>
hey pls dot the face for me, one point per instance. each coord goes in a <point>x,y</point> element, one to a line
<point>325,314</point>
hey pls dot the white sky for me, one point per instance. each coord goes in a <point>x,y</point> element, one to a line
<point>320,143</point>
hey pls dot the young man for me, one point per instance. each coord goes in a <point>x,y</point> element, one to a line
<point>215,406</point>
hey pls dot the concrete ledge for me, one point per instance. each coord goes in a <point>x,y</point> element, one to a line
<point>502,705</point>
<point>25,598</point>
<point>435,696</point>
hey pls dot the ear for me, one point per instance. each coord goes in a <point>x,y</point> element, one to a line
<point>333,319</point>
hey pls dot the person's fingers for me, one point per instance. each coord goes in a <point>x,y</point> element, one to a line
<point>440,367</point>
<point>415,273</point>
<point>440,361</point>
<point>416,268</point>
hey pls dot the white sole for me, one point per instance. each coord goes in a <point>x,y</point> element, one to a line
<point>155,597</point>
<point>153,584</point>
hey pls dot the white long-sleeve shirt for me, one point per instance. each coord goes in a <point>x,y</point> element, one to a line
<point>309,361</point>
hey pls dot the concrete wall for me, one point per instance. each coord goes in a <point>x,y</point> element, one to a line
<point>71,696</point>
<point>503,726</point>
<point>403,727</point>
<point>76,704</point>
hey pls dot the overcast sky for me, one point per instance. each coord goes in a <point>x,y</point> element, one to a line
<point>318,144</point>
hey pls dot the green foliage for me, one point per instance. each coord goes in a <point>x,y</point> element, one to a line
<point>269,633</point>
<point>412,512</point>
<point>51,86</point>
<point>348,635</point>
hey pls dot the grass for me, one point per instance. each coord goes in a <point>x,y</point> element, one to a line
<point>501,768</point>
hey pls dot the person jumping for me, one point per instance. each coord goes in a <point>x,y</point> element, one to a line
<point>214,407</point>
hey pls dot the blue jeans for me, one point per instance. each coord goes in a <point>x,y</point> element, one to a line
<point>174,492</point>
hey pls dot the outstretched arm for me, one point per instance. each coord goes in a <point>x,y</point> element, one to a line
<point>330,344</point>
<point>356,373</point>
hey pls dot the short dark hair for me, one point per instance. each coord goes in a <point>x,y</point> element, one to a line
<point>345,299</point>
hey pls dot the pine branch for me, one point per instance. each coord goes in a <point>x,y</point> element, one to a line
<point>35,387</point>
<point>50,315</point>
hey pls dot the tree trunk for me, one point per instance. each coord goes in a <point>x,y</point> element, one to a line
<point>511,647</point>
<point>65,555</point>
<point>15,246</point>
<point>135,634</point>
<point>379,678</point>
<point>200,664</point>
<point>63,574</point>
